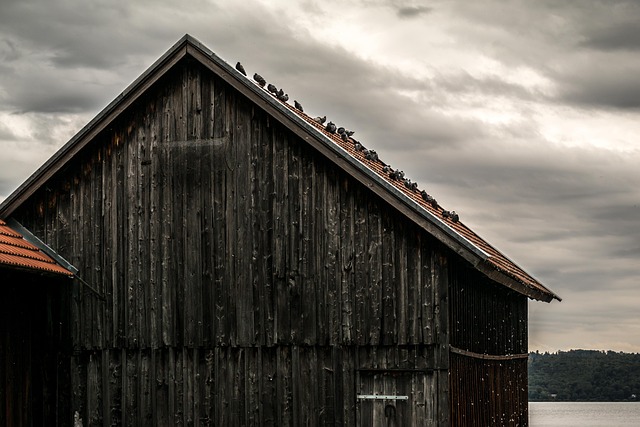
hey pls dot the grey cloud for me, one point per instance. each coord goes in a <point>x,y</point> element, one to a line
<point>8,50</point>
<point>55,102</point>
<point>6,133</point>
<point>617,36</point>
<point>412,11</point>
<point>604,85</point>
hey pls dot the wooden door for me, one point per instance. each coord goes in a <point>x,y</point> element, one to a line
<point>392,398</point>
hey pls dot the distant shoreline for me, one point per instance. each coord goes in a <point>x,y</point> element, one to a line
<point>584,376</point>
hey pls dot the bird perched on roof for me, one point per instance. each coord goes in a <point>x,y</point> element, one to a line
<point>283,97</point>
<point>344,137</point>
<point>340,130</point>
<point>349,132</point>
<point>410,184</point>
<point>271,88</point>
<point>298,106</point>
<point>258,78</point>
<point>357,146</point>
<point>371,154</point>
<point>240,68</point>
<point>320,120</point>
<point>331,128</point>
<point>386,168</point>
<point>453,216</point>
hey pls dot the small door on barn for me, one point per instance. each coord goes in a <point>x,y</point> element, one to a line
<point>392,398</point>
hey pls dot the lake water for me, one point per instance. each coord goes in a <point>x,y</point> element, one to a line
<point>584,414</point>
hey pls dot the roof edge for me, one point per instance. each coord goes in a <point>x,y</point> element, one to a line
<point>497,275</point>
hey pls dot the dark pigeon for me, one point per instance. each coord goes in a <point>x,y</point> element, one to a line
<point>331,128</point>
<point>271,88</point>
<point>413,186</point>
<point>258,78</point>
<point>340,130</point>
<point>344,137</point>
<point>298,106</point>
<point>320,120</point>
<point>283,96</point>
<point>350,133</point>
<point>240,68</point>
<point>408,183</point>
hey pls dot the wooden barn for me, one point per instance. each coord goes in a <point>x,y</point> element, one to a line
<point>239,264</point>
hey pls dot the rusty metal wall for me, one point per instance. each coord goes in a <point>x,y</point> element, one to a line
<point>488,392</point>
<point>488,362</point>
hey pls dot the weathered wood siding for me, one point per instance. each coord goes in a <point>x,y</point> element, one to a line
<point>246,278</point>
<point>487,319</point>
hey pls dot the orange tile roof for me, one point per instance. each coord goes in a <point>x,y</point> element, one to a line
<point>16,252</point>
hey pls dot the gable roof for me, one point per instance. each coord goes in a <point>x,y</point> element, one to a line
<point>16,252</point>
<point>371,173</point>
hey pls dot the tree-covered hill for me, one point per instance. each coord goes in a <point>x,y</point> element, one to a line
<point>584,375</point>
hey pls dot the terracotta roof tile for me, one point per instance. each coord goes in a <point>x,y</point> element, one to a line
<point>16,252</point>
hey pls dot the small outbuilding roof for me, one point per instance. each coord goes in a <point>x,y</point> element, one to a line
<point>16,252</point>
<point>411,201</point>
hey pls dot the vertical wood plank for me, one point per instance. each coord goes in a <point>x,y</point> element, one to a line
<point>280,239</point>
<point>347,260</point>
<point>374,269</point>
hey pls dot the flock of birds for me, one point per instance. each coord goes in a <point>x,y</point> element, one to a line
<point>347,136</point>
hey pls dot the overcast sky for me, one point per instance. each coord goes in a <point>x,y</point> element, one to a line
<point>523,116</point>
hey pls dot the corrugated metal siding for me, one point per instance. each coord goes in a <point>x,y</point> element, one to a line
<point>488,361</point>
<point>488,392</point>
